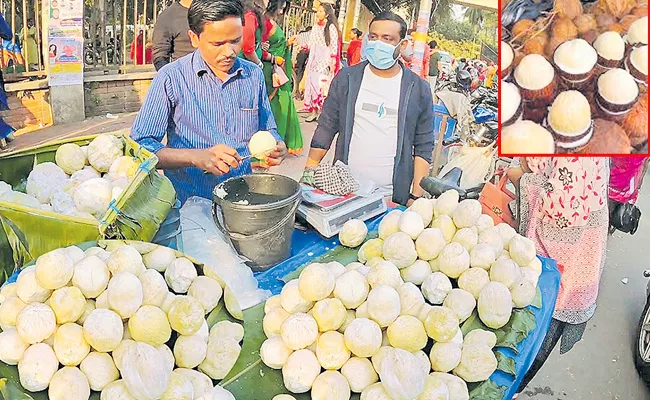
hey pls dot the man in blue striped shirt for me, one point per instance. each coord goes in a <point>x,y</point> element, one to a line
<point>208,104</point>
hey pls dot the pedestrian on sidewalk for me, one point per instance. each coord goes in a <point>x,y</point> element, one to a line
<point>354,47</point>
<point>563,209</point>
<point>208,105</point>
<point>382,114</point>
<point>170,38</point>
<point>254,35</point>
<point>435,66</point>
<point>281,96</point>
<point>324,59</point>
<point>6,131</point>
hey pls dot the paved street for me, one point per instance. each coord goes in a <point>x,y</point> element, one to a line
<point>601,367</point>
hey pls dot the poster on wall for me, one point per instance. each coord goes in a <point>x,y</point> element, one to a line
<point>66,43</point>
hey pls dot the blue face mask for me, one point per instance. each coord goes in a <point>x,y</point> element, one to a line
<point>381,55</point>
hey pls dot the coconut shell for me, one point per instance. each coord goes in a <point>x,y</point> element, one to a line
<point>521,26</point>
<point>568,8</point>
<point>585,23</point>
<point>590,36</point>
<point>536,114</point>
<point>635,122</point>
<point>536,45</point>
<point>564,29</point>
<point>608,138</point>
<point>551,46</point>
<point>640,11</point>
<point>616,8</point>
<point>604,21</point>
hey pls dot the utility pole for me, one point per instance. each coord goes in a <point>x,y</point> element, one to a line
<point>420,36</point>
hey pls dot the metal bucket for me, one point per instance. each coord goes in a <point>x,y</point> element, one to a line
<point>257,212</point>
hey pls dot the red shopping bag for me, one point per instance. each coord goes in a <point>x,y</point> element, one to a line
<point>495,200</point>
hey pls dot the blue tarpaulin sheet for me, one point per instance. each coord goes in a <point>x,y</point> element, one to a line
<point>308,246</point>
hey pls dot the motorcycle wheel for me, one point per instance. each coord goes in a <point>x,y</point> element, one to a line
<point>642,348</point>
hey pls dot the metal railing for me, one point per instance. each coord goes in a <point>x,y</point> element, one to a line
<point>22,57</point>
<point>296,19</point>
<point>118,34</point>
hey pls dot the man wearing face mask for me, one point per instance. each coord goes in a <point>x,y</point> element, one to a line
<point>382,113</point>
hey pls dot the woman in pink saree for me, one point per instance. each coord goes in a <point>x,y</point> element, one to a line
<point>563,209</point>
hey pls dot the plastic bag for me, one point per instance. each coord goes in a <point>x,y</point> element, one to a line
<point>477,164</point>
<point>203,241</point>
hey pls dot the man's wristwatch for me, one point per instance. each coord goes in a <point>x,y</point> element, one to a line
<point>413,197</point>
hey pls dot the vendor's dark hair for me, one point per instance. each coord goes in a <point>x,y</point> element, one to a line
<point>391,16</point>
<point>202,12</point>
<point>331,20</point>
<point>277,5</point>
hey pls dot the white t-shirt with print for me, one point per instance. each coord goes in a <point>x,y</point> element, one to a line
<point>374,134</point>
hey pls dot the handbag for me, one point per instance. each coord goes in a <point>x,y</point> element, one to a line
<point>495,200</point>
<point>279,76</point>
<point>624,217</point>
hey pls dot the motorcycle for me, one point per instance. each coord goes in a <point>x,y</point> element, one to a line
<point>642,348</point>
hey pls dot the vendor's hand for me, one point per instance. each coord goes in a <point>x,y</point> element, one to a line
<point>266,46</point>
<point>276,157</point>
<point>217,160</point>
<point>279,60</point>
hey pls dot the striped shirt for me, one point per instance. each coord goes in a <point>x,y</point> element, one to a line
<point>196,110</point>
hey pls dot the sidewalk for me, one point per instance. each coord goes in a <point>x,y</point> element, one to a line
<point>91,126</point>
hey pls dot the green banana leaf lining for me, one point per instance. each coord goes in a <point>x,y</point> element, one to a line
<point>27,233</point>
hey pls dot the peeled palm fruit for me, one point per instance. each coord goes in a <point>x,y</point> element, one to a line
<point>299,331</point>
<point>316,282</point>
<point>329,314</point>
<point>190,351</point>
<point>159,259</point>
<point>227,329</point>
<point>353,233</point>
<point>93,196</point>
<point>359,373</point>
<point>118,352</point>
<point>384,305</point>
<point>274,353</point>
<point>9,310</point>
<point>370,249</point>
<point>123,167</point>
<point>100,370</point>
<point>467,213</point>
<point>331,350</point>
<point>389,224</point>
<point>273,321</point>
<point>506,272</point>
<point>384,273</point>
<point>124,294</point>
<point>70,346</point>
<point>69,383</point>
<point>410,298</point>
<point>460,302</point>
<point>232,305</point>
<point>103,150</point>
<point>330,385</point>
<point>300,371</point>
<point>480,336</point>
<point>424,207</point>
<point>436,287</point>
<point>375,391</point>
<point>402,375</point>
<point>125,259</point>
<point>411,223</point>
<point>430,243</point>
<point>408,333</point>
<point>180,274</point>
<point>144,371</point>
<point>445,356</point>
<point>434,389</point>
<point>35,323</point>
<point>37,367</point>
<point>54,269</point>
<point>441,324</point>
<point>477,363</point>
<point>352,289</point>
<point>179,388</point>
<point>363,337</point>
<point>91,276</point>
<point>150,325</point>
<point>68,304</point>
<point>70,158</point>
<point>416,273</point>
<point>473,280</point>
<point>28,289</point>
<point>454,260</point>
<point>262,143</point>
<point>186,315</point>
<point>12,346</point>
<point>220,358</point>
<point>399,248</point>
<point>75,253</point>
<point>103,330</point>
<point>154,288</point>
<point>207,291</point>
<point>201,383</point>
<point>523,293</point>
<point>495,305</point>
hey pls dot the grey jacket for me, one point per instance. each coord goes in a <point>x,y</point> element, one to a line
<point>414,124</point>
